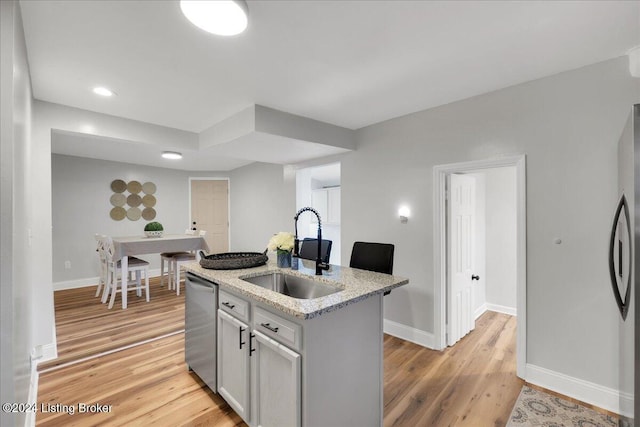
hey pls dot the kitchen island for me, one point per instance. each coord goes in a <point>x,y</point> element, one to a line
<point>284,361</point>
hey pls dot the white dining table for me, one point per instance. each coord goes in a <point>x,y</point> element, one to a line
<point>139,245</point>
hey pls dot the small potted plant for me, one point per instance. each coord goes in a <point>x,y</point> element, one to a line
<point>153,229</point>
<point>282,243</point>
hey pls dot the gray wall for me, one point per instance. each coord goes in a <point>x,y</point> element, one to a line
<point>262,204</point>
<point>81,191</point>
<point>18,332</point>
<point>500,240</point>
<point>568,126</point>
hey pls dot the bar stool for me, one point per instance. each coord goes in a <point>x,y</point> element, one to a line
<point>176,261</point>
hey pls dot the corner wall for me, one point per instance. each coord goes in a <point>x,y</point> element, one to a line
<point>20,333</point>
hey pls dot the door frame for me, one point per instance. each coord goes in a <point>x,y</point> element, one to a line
<point>223,178</point>
<point>440,173</point>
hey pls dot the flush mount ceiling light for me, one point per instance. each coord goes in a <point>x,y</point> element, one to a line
<point>224,18</point>
<point>172,155</point>
<point>103,91</point>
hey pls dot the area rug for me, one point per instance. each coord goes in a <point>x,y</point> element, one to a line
<point>537,408</point>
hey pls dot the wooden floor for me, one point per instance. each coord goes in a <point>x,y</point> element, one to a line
<point>470,384</point>
<point>85,326</point>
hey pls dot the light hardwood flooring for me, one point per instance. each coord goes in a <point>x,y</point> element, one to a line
<point>85,326</point>
<point>470,384</point>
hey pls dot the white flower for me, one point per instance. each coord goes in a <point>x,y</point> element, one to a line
<point>283,241</point>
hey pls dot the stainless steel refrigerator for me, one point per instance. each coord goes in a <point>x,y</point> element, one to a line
<point>624,266</point>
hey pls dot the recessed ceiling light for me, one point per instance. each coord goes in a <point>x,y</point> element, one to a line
<point>103,91</point>
<point>224,18</point>
<point>173,155</point>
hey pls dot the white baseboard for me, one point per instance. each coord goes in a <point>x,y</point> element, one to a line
<point>32,400</point>
<point>480,311</point>
<point>90,281</point>
<point>49,352</point>
<point>408,333</point>
<point>585,391</point>
<point>511,311</point>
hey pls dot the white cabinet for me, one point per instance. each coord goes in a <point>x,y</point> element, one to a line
<point>327,202</point>
<point>276,383</point>
<point>233,363</point>
<point>258,376</point>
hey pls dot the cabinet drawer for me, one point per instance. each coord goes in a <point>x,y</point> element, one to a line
<point>278,328</point>
<point>234,305</point>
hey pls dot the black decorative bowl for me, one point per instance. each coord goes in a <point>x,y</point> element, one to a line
<point>233,260</point>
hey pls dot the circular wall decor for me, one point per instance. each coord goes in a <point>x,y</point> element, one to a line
<point>149,201</point>
<point>148,214</point>
<point>118,186</point>
<point>134,187</point>
<point>134,200</point>
<point>149,188</point>
<point>118,199</point>
<point>134,214</point>
<point>118,213</point>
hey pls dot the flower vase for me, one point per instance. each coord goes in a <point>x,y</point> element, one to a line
<point>284,259</point>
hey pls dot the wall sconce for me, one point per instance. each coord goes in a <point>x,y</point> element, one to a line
<point>404,212</point>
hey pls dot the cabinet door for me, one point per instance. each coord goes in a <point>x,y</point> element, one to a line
<point>233,363</point>
<point>333,205</point>
<point>319,202</point>
<point>276,384</point>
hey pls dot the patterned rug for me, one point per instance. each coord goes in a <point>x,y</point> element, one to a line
<point>537,408</point>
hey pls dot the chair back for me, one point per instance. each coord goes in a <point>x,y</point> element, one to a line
<point>309,249</point>
<point>376,257</point>
<point>109,248</point>
<point>100,238</point>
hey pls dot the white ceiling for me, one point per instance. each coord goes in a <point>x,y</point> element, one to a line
<point>348,63</point>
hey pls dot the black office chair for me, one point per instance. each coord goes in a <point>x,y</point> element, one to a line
<point>376,257</point>
<point>309,249</point>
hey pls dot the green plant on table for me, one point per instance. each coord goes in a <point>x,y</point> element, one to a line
<point>153,226</point>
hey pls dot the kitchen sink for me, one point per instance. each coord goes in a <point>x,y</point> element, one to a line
<point>293,286</point>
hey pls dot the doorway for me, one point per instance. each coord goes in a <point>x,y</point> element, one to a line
<point>209,211</point>
<point>319,187</point>
<point>442,255</point>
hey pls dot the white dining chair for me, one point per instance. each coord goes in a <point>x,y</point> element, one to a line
<point>114,282</point>
<point>165,257</point>
<point>102,259</point>
<point>176,261</point>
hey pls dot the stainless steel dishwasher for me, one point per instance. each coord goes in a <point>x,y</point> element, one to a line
<point>201,302</point>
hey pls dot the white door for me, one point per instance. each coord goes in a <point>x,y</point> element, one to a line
<point>461,248</point>
<point>233,363</point>
<point>276,384</point>
<point>210,212</point>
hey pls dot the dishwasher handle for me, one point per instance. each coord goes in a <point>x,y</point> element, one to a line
<point>197,282</point>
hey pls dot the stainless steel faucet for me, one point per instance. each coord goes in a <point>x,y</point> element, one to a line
<point>296,242</point>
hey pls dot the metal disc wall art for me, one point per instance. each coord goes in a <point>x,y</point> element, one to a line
<point>127,205</point>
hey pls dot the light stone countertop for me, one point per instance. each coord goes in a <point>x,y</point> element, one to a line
<point>356,285</point>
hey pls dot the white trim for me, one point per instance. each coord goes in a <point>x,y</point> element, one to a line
<point>480,311</point>
<point>49,352</point>
<point>440,173</point>
<point>407,333</point>
<point>214,178</point>
<point>32,399</point>
<point>585,391</point>
<point>511,311</point>
<point>90,281</point>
